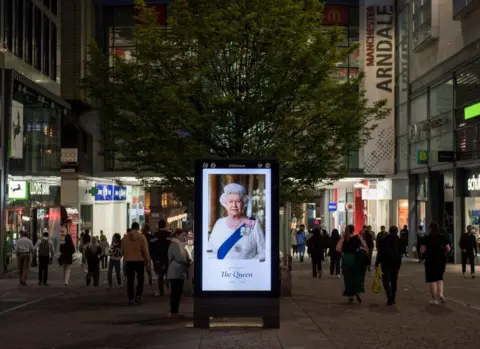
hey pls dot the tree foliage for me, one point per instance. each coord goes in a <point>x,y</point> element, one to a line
<point>236,78</point>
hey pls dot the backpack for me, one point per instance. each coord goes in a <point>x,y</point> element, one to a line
<point>44,249</point>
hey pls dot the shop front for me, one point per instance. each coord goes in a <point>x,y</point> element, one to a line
<point>33,205</point>
<point>472,199</point>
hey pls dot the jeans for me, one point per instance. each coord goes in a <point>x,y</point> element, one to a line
<point>23,259</point>
<point>335,259</point>
<point>316,265</point>
<point>176,291</point>
<point>104,260</point>
<point>471,258</point>
<point>135,267</point>
<point>390,280</point>
<point>114,263</point>
<point>67,268</point>
<point>93,271</point>
<point>161,271</point>
<point>43,262</point>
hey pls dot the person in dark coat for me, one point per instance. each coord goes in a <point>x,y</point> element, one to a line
<point>389,257</point>
<point>335,257</point>
<point>404,240</point>
<point>66,257</point>
<point>316,246</point>
<point>468,246</point>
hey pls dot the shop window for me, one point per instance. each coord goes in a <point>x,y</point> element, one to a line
<point>441,124</point>
<point>164,200</point>
<point>443,142</point>
<point>19,20</point>
<point>466,143</point>
<point>419,109</point>
<point>441,98</point>
<point>467,88</point>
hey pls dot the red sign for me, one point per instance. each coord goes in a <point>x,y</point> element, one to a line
<point>147,211</point>
<point>335,15</point>
<point>161,11</point>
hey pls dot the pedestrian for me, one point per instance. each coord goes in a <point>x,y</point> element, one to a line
<point>104,246</point>
<point>45,251</point>
<point>86,239</point>
<point>67,249</point>
<point>389,257</point>
<point>468,246</point>
<point>436,247</point>
<point>301,239</point>
<point>159,245</point>
<point>355,260</point>
<point>369,238</point>
<point>136,257</point>
<point>148,267</point>
<point>316,247</point>
<point>420,238</point>
<point>335,256</point>
<point>326,243</point>
<point>93,254</point>
<point>115,254</point>
<point>404,240</point>
<point>177,272</point>
<point>23,250</point>
<point>124,265</point>
<point>293,234</point>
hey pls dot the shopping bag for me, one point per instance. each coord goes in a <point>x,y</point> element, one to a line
<point>377,281</point>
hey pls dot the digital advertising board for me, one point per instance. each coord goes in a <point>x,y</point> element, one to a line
<point>236,227</point>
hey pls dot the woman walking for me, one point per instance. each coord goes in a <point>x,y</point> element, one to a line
<point>435,246</point>
<point>104,246</point>
<point>115,254</point>
<point>354,263</point>
<point>93,253</point>
<point>66,257</point>
<point>177,272</point>
<point>335,256</point>
<point>389,257</point>
<point>293,234</point>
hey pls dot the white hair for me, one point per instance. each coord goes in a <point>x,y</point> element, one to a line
<point>236,189</point>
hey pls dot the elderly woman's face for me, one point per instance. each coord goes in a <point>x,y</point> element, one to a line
<point>234,205</point>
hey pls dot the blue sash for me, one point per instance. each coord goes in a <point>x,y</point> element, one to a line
<point>230,242</point>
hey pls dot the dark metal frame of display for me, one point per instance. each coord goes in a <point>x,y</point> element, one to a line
<point>260,304</point>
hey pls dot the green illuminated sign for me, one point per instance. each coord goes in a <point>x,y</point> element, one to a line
<point>471,111</point>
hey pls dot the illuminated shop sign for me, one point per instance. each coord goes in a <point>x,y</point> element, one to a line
<point>473,183</point>
<point>17,190</point>
<point>472,111</point>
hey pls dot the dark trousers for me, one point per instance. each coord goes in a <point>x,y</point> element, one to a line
<point>138,268</point>
<point>114,263</point>
<point>161,271</point>
<point>43,262</point>
<point>93,272</point>
<point>390,281</point>
<point>335,258</point>
<point>471,258</point>
<point>370,255</point>
<point>104,260</point>
<point>316,264</point>
<point>176,291</point>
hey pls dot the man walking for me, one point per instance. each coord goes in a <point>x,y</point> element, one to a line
<point>46,251</point>
<point>136,257</point>
<point>23,251</point>
<point>159,244</point>
<point>468,245</point>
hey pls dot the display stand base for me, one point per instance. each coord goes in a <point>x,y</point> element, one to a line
<point>204,308</point>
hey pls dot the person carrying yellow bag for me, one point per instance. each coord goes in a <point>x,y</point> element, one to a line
<point>377,281</point>
<point>389,257</point>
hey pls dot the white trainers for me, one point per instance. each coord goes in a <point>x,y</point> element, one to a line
<point>434,302</point>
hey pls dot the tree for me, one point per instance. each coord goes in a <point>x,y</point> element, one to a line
<point>237,78</point>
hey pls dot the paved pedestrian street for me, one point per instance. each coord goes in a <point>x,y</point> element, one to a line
<point>316,316</point>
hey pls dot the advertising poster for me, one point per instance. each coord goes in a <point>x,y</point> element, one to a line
<point>236,229</point>
<point>16,131</point>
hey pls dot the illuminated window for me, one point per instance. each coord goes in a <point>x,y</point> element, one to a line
<point>164,199</point>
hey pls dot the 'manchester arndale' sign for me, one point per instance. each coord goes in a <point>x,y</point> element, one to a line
<point>378,55</point>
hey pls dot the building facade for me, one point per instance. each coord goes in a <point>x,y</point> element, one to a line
<point>438,89</point>
<point>32,112</point>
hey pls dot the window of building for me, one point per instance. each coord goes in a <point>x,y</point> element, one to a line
<point>467,88</point>
<point>37,30</point>
<point>8,24</point>
<point>46,46</point>
<point>419,109</point>
<point>422,21</point>
<point>164,199</point>
<point>53,52</point>
<point>401,31</point>
<point>28,31</point>
<point>19,21</point>
<point>441,98</point>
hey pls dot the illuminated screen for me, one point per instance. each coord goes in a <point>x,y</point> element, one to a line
<point>237,229</point>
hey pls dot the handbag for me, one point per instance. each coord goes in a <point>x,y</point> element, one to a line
<point>377,283</point>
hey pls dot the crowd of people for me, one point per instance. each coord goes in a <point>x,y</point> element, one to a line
<point>163,253</point>
<point>351,255</point>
